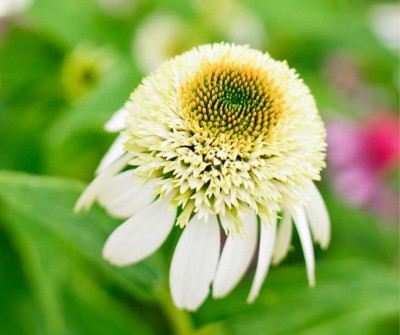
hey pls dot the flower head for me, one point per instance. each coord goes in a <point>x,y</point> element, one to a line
<point>83,69</point>
<point>222,135</point>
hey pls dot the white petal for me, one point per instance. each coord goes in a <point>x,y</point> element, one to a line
<point>236,257</point>
<point>318,216</point>
<point>300,221</point>
<point>283,238</point>
<point>117,121</point>
<point>116,150</point>
<point>194,263</point>
<point>124,196</point>
<point>141,235</point>
<point>100,182</point>
<point>267,241</point>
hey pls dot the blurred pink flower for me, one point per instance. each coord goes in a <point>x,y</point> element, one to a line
<point>361,157</point>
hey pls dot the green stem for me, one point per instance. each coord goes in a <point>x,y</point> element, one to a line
<point>180,320</point>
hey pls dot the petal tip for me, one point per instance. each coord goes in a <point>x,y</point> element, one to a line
<point>325,245</point>
<point>311,279</point>
<point>116,122</point>
<point>218,292</point>
<point>77,208</point>
<point>114,259</point>
<point>82,204</point>
<point>194,307</point>
<point>251,298</point>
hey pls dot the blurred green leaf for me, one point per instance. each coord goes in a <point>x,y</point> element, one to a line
<point>50,210</point>
<point>359,234</point>
<point>351,297</point>
<point>68,298</point>
<point>74,21</point>
<point>19,317</point>
<point>30,97</point>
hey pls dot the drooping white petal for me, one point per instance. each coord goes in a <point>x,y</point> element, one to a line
<point>141,235</point>
<point>116,150</point>
<point>236,256</point>
<point>283,238</point>
<point>194,263</point>
<point>300,221</point>
<point>117,121</point>
<point>318,216</point>
<point>124,196</point>
<point>267,242</point>
<point>100,182</point>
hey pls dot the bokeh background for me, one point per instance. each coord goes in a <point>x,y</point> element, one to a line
<point>66,66</point>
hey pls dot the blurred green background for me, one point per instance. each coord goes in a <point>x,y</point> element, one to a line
<point>66,66</point>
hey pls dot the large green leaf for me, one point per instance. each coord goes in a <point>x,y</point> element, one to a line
<point>47,204</point>
<point>19,316</point>
<point>351,297</point>
<point>61,257</point>
<point>67,297</point>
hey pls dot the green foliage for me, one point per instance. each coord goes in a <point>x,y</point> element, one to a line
<point>350,297</point>
<point>61,255</point>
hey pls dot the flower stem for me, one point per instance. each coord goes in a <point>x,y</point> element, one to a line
<point>180,320</point>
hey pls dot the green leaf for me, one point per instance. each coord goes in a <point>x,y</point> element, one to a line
<point>74,21</point>
<point>20,315</point>
<point>359,234</point>
<point>47,203</point>
<point>351,297</point>
<point>61,253</point>
<point>30,97</point>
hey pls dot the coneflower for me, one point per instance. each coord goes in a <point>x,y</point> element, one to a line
<point>222,136</point>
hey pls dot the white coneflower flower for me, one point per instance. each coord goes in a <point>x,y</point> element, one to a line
<point>234,21</point>
<point>385,21</point>
<point>160,37</point>
<point>10,8</point>
<point>221,136</point>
